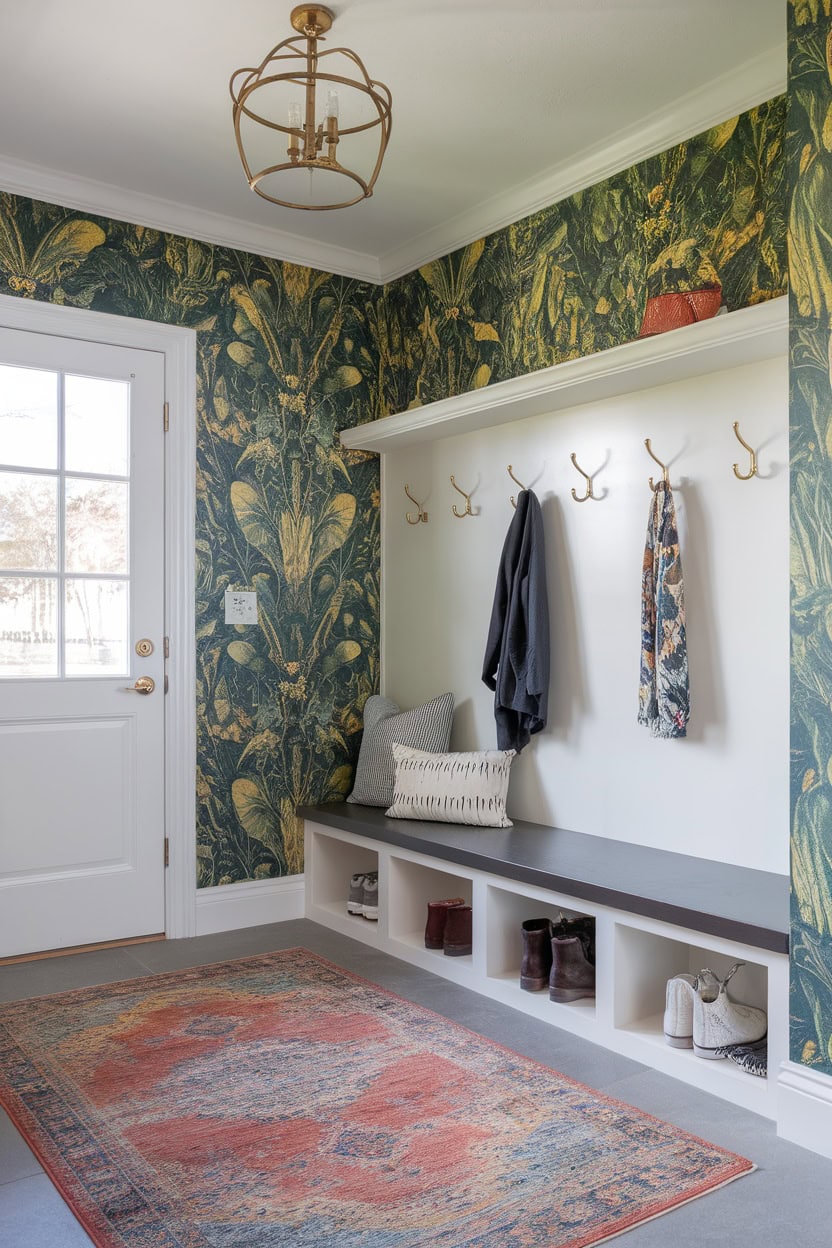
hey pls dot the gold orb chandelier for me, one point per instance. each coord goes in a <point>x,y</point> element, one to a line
<point>290,94</point>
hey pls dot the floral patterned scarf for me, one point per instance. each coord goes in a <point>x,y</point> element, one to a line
<point>663,695</point>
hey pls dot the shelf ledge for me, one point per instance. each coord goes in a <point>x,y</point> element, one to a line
<point>730,341</point>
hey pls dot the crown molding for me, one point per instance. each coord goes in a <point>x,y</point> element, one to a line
<point>752,83</point>
<point>749,84</point>
<point>105,200</point>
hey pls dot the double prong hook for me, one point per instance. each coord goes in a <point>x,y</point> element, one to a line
<point>460,515</point>
<point>745,476</point>
<point>665,478</point>
<point>520,483</point>
<point>421,516</point>
<point>589,494</point>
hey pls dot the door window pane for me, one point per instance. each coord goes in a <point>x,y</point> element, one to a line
<point>28,626</point>
<point>28,417</point>
<point>96,627</point>
<point>97,425</point>
<point>28,521</point>
<point>96,526</point>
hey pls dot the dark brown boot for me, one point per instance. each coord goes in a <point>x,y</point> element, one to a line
<point>435,926</point>
<point>573,975</point>
<point>457,931</point>
<point>581,926</point>
<point>537,955</point>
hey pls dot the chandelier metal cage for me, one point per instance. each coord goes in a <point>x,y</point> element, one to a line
<point>313,143</point>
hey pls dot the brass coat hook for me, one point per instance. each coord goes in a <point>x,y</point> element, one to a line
<point>589,493</point>
<point>745,476</point>
<point>514,479</point>
<point>422,515</point>
<point>460,515</point>
<point>665,478</point>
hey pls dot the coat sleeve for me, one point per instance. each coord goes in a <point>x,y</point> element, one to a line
<point>502,593</point>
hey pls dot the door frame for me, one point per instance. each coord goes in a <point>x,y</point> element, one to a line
<point>179,349</point>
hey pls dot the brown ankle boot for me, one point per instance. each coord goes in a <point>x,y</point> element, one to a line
<point>572,976</point>
<point>581,926</point>
<point>537,955</point>
<point>457,931</point>
<point>435,926</point>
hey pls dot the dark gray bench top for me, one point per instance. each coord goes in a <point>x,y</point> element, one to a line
<point>736,903</point>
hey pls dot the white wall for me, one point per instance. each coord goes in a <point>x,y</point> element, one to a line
<point>721,793</point>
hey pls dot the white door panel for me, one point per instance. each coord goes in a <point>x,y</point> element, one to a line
<point>81,753</point>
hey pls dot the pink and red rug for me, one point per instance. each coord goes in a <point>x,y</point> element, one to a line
<point>280,1102</point>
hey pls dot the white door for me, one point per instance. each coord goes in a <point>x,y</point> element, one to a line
<point>81,601</point>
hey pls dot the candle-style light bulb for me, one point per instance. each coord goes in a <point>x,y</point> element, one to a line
<point>295,125</point>
<point>332,105</point>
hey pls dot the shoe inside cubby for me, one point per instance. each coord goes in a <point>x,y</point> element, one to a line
<point>645,961</point>
<point>507,911</point>
<point>336,862</point>
<point>411,886</point>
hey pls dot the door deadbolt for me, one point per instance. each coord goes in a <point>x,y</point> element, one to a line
<point>144,647</point>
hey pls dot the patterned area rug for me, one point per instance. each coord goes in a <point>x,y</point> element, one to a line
<point>280,1102</point>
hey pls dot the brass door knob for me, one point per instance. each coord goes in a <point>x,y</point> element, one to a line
<point>145,684</point>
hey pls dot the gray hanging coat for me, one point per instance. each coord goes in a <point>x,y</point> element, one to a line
<point>516,664</point>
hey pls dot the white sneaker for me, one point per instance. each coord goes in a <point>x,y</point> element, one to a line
<point>678,1011</point>
<point>718,1021</point>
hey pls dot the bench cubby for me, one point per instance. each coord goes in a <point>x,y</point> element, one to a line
<point>642,938</point>
<point>506,910</point>
<point>411,885</point>
<point>330,882</point>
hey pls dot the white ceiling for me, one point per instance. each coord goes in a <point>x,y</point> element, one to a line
<point>499,107</point>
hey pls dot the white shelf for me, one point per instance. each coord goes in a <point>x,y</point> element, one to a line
<point>352,925</point>
<point>436,958</point>
<point>744,337</point>
<point>507,987</point>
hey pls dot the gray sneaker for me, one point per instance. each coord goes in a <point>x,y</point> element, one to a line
<point>369,901</point>
<point>355,901</point>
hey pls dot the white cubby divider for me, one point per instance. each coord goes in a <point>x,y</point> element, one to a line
<point>635,954</point>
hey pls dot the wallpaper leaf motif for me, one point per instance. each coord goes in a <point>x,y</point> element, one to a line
<point>574,278</point>
<point>810,228</point>
<point>285,359</point>
<point>288,356</point>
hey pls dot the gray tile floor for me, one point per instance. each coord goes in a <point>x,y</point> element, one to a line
<point>786,1203</point>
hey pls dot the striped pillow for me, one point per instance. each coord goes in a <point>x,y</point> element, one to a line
<point>451,788</point>
<point>426,727</point>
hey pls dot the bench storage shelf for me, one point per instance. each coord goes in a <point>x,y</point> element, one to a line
<point>656,914</point>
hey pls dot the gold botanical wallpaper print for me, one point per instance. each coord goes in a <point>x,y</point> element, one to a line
<point>810,254</point>
<point>574,278</point>
<point>286,358</point>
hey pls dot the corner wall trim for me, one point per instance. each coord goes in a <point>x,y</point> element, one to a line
<point>804,1109</point>
<point>249,904</point>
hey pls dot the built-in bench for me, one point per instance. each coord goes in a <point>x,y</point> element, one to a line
<point>656,913</point>
<point>715,898</point>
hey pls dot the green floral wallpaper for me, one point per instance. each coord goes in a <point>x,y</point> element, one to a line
<point>810,242</point>
<point>286,358</point>
<point>574,278</point>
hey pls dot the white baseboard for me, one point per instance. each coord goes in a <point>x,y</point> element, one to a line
<point>804,1108</point>
<point>249,904</point>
